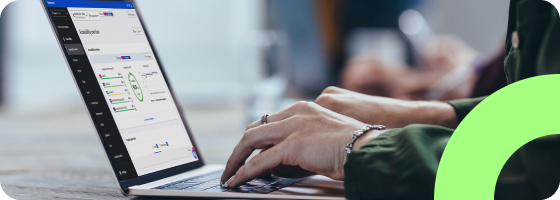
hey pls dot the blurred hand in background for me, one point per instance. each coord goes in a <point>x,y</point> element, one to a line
<point>381,76</point>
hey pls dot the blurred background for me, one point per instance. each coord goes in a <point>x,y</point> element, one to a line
<point>216,52</point>
<point>230,62</point>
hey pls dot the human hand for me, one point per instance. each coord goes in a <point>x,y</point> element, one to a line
<point>305,135</point>
<point>382,76</point>
<point>447,52</point>
<point>374,74</point>
<point>393,113</point>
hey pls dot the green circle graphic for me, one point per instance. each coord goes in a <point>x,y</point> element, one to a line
<point>492,132</point>
<point>137,83</point>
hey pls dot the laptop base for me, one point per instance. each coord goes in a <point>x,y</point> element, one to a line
<point>314,187</point>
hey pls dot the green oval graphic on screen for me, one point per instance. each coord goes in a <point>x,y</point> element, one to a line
<point>135,86</point>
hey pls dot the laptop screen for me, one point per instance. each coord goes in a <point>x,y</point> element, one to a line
<point>122,85</point>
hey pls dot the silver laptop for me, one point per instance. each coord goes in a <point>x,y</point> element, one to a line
<point>139,123</point>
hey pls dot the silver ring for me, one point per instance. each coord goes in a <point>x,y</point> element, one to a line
<point>264,119</point>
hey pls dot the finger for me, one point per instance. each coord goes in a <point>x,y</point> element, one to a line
<point>266,173</point>
<point>260,163</point>
<point>263,136</point>
<point>335,90</point>
<point>284,114</point>
<point>257,138</point>
<point>270,119</point>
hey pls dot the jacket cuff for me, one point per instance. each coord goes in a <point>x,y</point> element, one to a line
<point>399,164</point>
<point>354,170</point>
<point>464,106</point>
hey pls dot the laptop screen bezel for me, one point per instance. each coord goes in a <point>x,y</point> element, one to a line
<point>125,184</point>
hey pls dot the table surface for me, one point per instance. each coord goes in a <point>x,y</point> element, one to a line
<point>59,157</point>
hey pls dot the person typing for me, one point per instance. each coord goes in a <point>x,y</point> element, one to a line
<point>399,160</point>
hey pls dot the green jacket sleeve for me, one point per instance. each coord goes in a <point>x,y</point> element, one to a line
<point>464,106</point>
<point>403,163</point>
<point>399,164</point>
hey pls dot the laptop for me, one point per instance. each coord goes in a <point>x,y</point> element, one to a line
<point>138,120</point>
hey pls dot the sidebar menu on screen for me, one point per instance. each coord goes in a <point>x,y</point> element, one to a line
<point>92,94</point>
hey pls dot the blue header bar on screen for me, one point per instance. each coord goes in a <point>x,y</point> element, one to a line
<point>89,4</point>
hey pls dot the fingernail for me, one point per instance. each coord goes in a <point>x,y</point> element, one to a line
<point>229,182</point>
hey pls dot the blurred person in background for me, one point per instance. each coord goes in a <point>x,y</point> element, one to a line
<point>312,40</point>
<point>452,71</point>
<point>373,53</point>
<point>400,160</point>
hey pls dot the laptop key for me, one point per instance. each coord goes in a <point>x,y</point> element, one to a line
<point>173,188</point>
<point>196,188</point>
<point>206,186</point>
<point>242,188</point>
<point>246,188</point>
<point>191,182</point>
<point>185,185</point>
<point>211,182</point>
<point>164,186</point>
<point>197,183</point>
<point>206,178</point>
<point>161,186</point>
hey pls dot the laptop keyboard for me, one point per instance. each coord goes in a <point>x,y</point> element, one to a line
<point>211,183</point>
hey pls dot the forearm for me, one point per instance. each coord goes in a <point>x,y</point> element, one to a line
<point>395,113</point>
<point>434,113</point>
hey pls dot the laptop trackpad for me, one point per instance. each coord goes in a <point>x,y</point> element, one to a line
<point>315,186</point>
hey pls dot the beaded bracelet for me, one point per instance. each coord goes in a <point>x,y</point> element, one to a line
<point>361,132</point>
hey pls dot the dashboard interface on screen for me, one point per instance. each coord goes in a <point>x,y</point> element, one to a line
<point>122,85</point>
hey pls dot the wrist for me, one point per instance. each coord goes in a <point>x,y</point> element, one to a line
<point>435,113</point>
<point>366,138</point>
